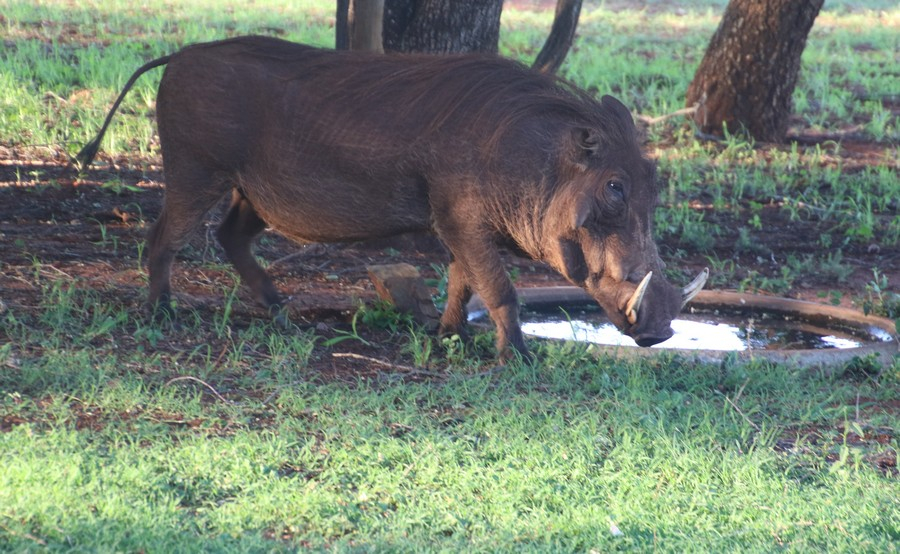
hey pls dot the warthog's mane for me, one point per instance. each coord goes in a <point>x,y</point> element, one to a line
<point>484,94</point>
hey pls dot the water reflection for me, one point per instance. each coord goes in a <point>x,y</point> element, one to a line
<point>692,335</point>
<point>731,334</point>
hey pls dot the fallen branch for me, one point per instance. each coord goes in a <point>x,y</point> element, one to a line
<point>310,251</point>
<point>743,415</point>
<point>409,370</point>
<point>54,268</point>
<point>28,536</point>
<point>647,120</point>
<point>202,382</point>
<point>401,367</point>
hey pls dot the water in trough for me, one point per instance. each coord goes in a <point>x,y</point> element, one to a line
<point>700,330</point>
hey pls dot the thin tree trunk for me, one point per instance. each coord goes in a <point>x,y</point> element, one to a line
<point>364,20</point>
<point>749,72</point>
<point>357,25</point>
<point>444,26</point>
<point>342,25</point>
<point>558,43</point>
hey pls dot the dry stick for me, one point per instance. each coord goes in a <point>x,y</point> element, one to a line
<point>405,368</point>
<point>412,464</point>
<point>741,390</point>
<point>22,280</point>
<point>288,258</point>
<point>56,97</point>
<point>409,369</point>
<point>743,415</point>
<point>221,355</point>
<point>309,251</point>
<point>56,269</point>
<point>28,536</point>
<point>647,120</point>
<point>272,396</point>
<point>202,382</point>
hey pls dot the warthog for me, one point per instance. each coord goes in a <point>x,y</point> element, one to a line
<point>327,146</point>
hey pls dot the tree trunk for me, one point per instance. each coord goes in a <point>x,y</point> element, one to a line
<point>364,20</point>
<point>442,26</point>
<point>749,72</point>
<point>357,25</point>
<point>342,25</point>
<point>561,36</point>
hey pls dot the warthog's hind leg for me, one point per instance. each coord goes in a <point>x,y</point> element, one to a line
<point>183,211</point>
<point>236,234</point>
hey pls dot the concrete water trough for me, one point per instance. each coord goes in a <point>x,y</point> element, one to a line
<point>716,325</point>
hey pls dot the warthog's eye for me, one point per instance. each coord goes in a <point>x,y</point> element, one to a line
<point>617,188</point>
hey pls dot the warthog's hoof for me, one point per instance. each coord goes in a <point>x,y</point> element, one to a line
<point>162,313</point>
<point>280,317</point>
<point>513,355</point>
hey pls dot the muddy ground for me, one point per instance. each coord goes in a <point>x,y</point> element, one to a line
<point>90,230</point>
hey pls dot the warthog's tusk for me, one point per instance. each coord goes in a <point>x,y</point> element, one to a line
<point>694,287</point>
<point>634,303</point>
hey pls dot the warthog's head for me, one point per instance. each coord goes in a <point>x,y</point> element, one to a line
<point>598,228</point>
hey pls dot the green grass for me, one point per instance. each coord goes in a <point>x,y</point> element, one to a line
<point>121,435</point>
<point>108,452</point>
<point>222,437</point>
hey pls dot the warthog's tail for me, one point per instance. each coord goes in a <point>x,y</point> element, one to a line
<point>84,157</point>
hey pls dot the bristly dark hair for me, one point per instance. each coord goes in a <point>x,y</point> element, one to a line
<point>463,90</point>
<point>495,93</point>
<point>487,95</point>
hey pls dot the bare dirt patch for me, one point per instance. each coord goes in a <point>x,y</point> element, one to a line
<point>91,231</point>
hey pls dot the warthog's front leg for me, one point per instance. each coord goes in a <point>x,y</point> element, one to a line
<point>484,272</point>
<point>455,316</point>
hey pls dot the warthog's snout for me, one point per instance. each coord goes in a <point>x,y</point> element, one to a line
<point>653,304</point>
<point>651,340</point>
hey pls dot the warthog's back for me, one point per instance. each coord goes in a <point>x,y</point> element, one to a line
<point>346,145</point>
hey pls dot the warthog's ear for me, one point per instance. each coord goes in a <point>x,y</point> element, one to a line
<point>585,144</point>
<point>587,141</point>
<point>618,108</point>
<point>574,265</point>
